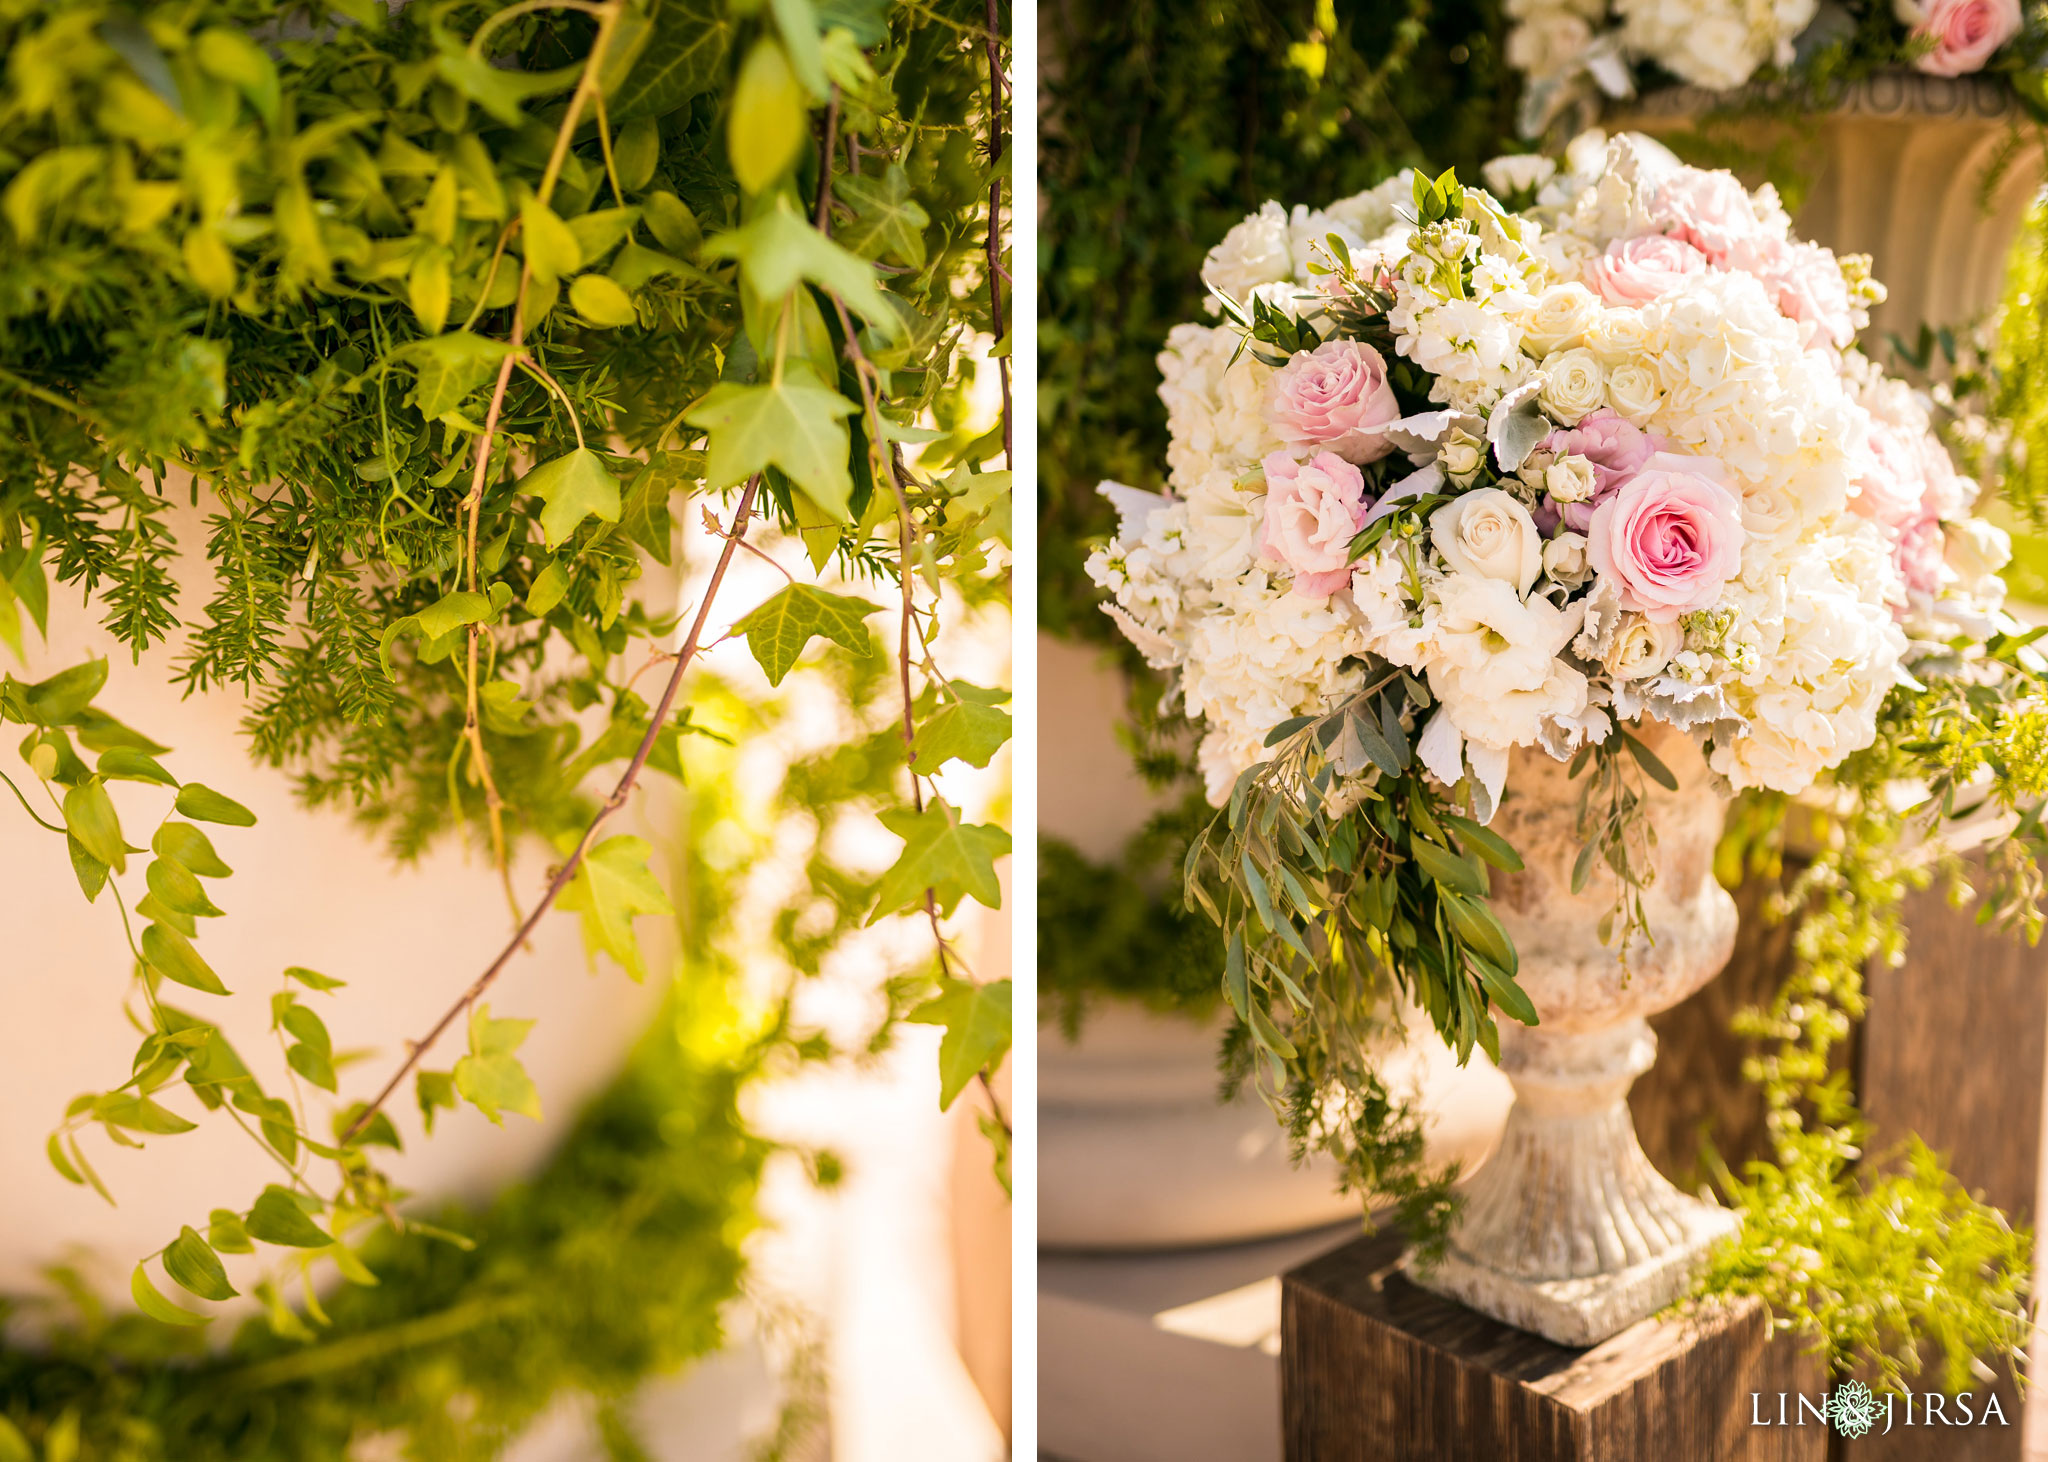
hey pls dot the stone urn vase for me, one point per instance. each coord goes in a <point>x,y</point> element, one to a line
<point>1568,1230</point>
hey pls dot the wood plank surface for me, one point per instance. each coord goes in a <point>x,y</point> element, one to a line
<point>1374,1369</point>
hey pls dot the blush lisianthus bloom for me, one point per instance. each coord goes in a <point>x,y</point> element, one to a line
<point>1336,397</point>
<point>1614,447</point>
<point>1966,33</point>
<point>1313,509</point>
<point>1669,538</point>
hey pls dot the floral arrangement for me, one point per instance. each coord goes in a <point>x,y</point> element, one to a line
<point>1571,50</point>
<point>1452,482</point>
<point>1608,460</point>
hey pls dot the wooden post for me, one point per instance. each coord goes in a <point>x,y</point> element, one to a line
<point>1374,1369</point>
<point>1955,1051</point>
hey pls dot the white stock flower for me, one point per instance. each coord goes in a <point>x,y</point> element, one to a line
<point>1518,172</point>
<point>1489,534</point>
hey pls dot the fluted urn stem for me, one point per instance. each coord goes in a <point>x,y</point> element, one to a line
<point>1568,1230</point>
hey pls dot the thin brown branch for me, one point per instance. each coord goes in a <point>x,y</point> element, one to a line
<point>612,804</point>
<point>824,213</point>
<point>996,276</point>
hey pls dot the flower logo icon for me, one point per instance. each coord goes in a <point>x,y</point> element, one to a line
<point>1852,1409</point>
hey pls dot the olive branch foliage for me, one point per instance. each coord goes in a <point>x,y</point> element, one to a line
<point>1345,885</point>
<point>432,313</point>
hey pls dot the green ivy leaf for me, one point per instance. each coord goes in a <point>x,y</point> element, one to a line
<point>151,1302</point>
<point>178,890</point>
<point>126,764</point>
<point>769,120</point>
<point>573,488</point>
<point>449,367</point>
<point>970,729</point>
<point>602,303</point>
<point>226,1232</point>
<point>599,232</point>
<point>171,955</point>
<point>552,252</point>
<point>941,853</point>
<point>90,817</point>
<point>977,1022</point>
<point>278,1218</point>
<point>138,1114</point>
<point>887,221</point>
<point>202,804</point>
<point>311,979</point>
<point>779,250</point>
<point>611,886</point>
<point>190,1261</point>
<point>795,424</point>
<point>191,848</point>
<point>490,1076</point>
<point>684,58</point>
<point>59,700</point>
<point>675,226</point>
<point>436,1092</point>
<point>780,627</point>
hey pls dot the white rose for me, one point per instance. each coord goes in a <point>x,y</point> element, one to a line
<point>1255,252</point>
<point>1548,42</point>
<point>1618,335</point>
<point>1489,534</point>
<point>1562,314</point>
<point>1461,456</point>
<point>1518,172</point>
<point>1575,387</point>
<point>1977,550</point>
<point>1632,390</point>
<point>1570,479</point>
<point>1564,560</point>
<point>1642,647</point>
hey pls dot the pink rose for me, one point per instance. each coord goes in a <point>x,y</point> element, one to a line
<point>1636,271</point>
<point>1313,510</point>
<point>1336,397</point>
<point>1710,211</point>
<point>1893,482</point>
<point>1669,538</point>
<point>1966,33</point>
<point>1920,552</point>
<point>1807,285</point>
<point>1616,447</point>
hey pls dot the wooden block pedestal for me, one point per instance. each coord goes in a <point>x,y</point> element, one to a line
<point>1374,1369</point>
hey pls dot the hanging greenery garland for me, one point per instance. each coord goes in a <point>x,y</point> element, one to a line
<point>433,313</point>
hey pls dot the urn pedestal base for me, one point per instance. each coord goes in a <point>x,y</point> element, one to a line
<point>1581,1312</point>
<point>1569,1231</point>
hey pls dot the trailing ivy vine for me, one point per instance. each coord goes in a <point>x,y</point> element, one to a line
<point>433,313</point>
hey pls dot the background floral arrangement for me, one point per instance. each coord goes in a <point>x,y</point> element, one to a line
<point>1458,475</point>
<point>1575,50</point>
